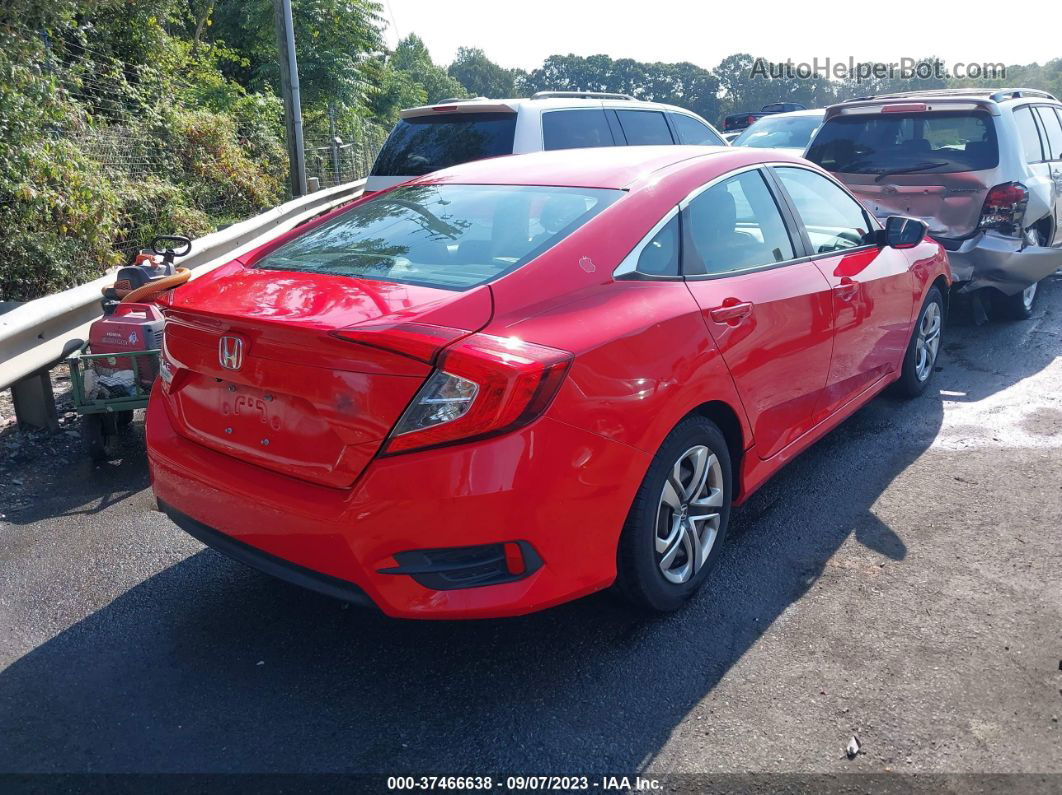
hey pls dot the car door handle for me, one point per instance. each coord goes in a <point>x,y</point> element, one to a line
<point>847,289</point>
<point>732,313</point>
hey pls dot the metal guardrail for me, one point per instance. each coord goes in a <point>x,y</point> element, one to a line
<point>32,334</point>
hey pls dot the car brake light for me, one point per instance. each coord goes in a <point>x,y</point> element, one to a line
<point>1004,207</point>
<point>906,107</point>
<point>420,341</point>
<point>483,386</point>
<point>751,120</point>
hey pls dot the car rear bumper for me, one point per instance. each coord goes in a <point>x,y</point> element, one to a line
<point>562,490</point>
<point>991,260</point>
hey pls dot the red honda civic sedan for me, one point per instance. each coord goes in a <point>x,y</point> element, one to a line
<point>518,381</point>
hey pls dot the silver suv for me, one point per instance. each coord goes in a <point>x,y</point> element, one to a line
<point>983,168</point>
<point>438,136</point>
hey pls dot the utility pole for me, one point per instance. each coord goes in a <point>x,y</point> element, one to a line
<point>335,141</point>
<point>289,88</point>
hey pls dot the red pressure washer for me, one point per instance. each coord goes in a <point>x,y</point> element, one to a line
<point>113,372</point>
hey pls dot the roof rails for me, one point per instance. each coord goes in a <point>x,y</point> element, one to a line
<point>996,95</point>
<point>1018,93</point>
<point>580,95</point>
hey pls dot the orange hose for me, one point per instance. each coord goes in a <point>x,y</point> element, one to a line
<point>154,288</point>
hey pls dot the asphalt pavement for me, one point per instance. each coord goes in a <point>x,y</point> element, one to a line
<point>901,582</point>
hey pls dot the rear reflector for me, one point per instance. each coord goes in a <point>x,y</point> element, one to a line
<point>514,561</point>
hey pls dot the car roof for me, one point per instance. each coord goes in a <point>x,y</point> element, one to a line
<point>808,112</point>
<point>482,104</point>
<point>615,167</point>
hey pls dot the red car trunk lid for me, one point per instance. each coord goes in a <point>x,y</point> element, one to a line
<point>260,377</point>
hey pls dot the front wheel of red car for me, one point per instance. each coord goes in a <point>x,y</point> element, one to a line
<point>921,357</point>
<point>679,518</point>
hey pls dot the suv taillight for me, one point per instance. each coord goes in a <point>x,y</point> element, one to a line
<point>1004,208</point>
<point>482,386</point>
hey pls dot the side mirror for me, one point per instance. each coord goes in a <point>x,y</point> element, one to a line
<point>903,232</point>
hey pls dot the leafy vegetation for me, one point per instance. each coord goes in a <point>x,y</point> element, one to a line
<point>123,119</point>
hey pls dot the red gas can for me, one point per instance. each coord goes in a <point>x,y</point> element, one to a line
<point>131,327</point>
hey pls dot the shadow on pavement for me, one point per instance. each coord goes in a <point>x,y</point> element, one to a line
<point>207,666</point>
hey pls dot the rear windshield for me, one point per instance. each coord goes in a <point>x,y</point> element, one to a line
<point>449,236</point>
<point>424,144</point>
<point>775,132</point>
<point>935,142</point>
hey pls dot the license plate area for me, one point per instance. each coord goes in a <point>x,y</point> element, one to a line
<point>250,408</point>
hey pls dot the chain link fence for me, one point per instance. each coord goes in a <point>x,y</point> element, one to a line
<point>348,156</point>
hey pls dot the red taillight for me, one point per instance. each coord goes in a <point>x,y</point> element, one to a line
<point>750,120</point>
<point>483,386</point>
<point>905,107</point>
<point>420,341</point>
<point>1004,207</point>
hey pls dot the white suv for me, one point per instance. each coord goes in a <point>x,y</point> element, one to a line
<point>982,167</point>
<point>438,136</point>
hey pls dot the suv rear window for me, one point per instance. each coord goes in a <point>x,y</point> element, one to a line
<point>423,144</point>
<point>937,142</point>
<point>449,236</point>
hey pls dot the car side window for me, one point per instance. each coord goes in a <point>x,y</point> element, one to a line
<point>1049,122</point>
<point>575,129</point>
<point>1030,136</point>
<point>660,257</point>
<point>644,127</point>
<point>690,131</point>
<point>834,220</point>
<point>733,226</point>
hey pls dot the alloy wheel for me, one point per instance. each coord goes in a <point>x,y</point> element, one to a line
<point>688,517</point>
<point>1028,295</point>
<point>928,341</point>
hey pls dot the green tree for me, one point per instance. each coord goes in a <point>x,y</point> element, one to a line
<point>412,57</point>
<point>481,76</point>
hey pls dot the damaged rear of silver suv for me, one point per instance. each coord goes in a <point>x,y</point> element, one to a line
<point>983,168</point>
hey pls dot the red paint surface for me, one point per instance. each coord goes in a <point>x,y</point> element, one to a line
<point>818,339</point>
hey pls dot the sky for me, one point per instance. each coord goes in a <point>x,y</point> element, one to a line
<point>521,33</point>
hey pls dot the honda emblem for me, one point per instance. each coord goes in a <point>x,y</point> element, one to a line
<point>230,353</point>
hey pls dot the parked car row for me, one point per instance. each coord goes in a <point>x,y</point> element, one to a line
<point>743,119</point>
<point>438,136</point>
<point>507,383</point>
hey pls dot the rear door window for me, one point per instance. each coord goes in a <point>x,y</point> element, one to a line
<point>733,226</point>
<point>1030,136</point>
<point>575,129</point>
<point>660,257</point>
<point>690,131</point>
<point>1050,124</point>
<point>644,127</point>
<point>422,144</point>
<point>933,142</point>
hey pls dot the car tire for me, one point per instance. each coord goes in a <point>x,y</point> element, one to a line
<point>923,350</point>
<point>679,518</point>
<point>1019,306</point>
